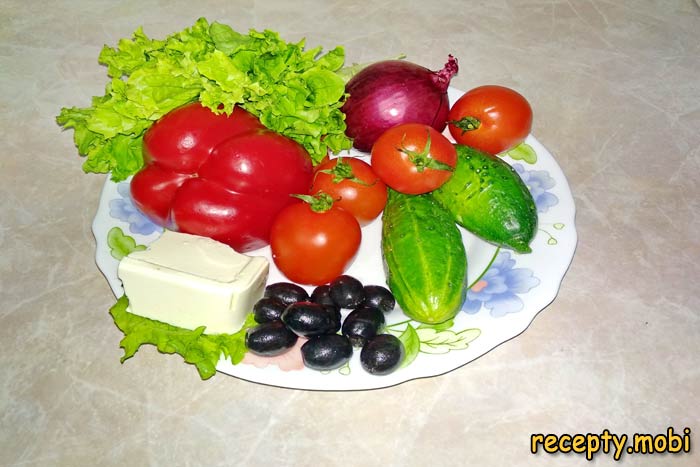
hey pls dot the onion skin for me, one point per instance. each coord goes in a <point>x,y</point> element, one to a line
<point>392,92</point>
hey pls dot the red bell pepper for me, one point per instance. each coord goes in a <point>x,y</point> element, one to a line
<point>217,175</point>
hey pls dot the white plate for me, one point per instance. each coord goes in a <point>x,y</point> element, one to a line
<point>500,306</point>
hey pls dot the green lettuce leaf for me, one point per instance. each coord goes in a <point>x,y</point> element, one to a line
<point>196,348</point>
<point>294,91</point>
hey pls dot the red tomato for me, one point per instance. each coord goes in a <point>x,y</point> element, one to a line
<point>490,118</point>
<point>183,138</point>
<point>413,158</point>
<point>353,186</point>
<point>312,247</point>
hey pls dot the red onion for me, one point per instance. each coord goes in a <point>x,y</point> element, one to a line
<point>392,92</point>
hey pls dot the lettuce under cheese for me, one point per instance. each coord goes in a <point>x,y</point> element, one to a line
<point>293,91</point>
<point>199,349</point>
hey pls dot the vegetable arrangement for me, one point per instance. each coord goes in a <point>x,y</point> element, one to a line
<point>238,138</point>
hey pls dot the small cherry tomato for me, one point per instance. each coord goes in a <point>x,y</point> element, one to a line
<point>490,118</point>
<point>314,243</point>
<point>353,185</point>
<point>413,158</point>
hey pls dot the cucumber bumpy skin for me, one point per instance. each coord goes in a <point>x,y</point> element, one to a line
<point>488,198</point>
<point>424,257</point>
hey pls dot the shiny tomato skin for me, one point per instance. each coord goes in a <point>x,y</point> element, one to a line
<point>505,118</point>
<point>153,189</point>
<point>365,199</point>
<point>183,138</point>
<point>391,158</point>
<point>313,248</point>
<point>240,220</point>
<point>259,161</point>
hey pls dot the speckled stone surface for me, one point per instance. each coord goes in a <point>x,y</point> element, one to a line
<point>616,92</point>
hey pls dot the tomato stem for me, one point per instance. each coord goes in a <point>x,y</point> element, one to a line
<point>422,159</point>
<point>343,171</point>
<point>466,123</point>
<point>320,202</point>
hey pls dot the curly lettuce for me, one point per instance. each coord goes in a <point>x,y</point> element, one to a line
<point>199,349</point>
<point>293,91</point>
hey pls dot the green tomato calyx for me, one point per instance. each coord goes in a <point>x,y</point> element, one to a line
<point>320,202</point>
<point>343,171</point>
<point>423,160</point>
<point>466,124</point>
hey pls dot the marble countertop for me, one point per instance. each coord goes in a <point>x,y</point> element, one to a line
<point>616,96</point>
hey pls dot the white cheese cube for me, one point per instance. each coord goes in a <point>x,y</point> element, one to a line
<point>191,281</point>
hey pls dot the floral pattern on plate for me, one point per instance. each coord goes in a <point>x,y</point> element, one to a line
<point>123,208</point>
<point>539,182</point>
<point>499,287</point>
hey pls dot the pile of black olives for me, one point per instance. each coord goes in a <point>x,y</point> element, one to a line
<point>287,312</point>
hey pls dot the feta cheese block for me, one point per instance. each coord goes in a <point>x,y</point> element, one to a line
<point>191,281</point>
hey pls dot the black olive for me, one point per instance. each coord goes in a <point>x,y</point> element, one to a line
<point>309,319</point>
<point>268,309</point>
<point>382,354</point>
<point>287,292</point>
<point>379,297</point>
<point>337,317</point>
<point>322,295</point>
<point>270,339</point>
<point>362,324</point>
<point>346,291</point>
<point>326,352</point>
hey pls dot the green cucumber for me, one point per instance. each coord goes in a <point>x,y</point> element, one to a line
<point>424,257</point>
<point>488,198</point>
